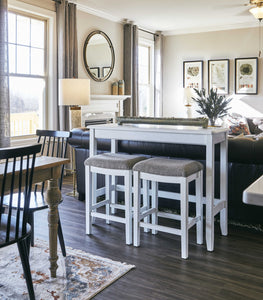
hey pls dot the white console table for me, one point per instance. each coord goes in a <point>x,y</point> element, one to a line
<point>104,104</point>
<point>179,135</point>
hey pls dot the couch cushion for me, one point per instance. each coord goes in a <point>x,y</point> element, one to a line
<point>254,129</point>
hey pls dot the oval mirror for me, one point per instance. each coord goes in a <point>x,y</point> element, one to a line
<point>98,55</point>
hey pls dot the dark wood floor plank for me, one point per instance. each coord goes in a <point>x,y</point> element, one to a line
<point>233,271</point>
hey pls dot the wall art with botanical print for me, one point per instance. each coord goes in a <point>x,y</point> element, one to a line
<point>246,74</point>
<point>193,74</point>
<point>218,75</point>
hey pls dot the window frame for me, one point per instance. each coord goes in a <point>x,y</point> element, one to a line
<point>24,75</point>
<point>49,111</point>
<point>150,45</point>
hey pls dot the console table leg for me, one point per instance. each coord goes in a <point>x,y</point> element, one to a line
<point>53,197</point>
<point>224,187</point>
<point>210,158</point>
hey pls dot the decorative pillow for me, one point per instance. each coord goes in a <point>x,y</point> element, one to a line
<point>237,125</point>
<point>255,125</point>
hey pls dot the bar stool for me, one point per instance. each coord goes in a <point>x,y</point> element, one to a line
<point>110,164</point>
<point>169,171</point>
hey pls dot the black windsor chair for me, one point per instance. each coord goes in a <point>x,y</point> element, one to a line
<point>16,176</point>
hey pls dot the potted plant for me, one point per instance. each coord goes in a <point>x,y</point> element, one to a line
<point>214,106</point>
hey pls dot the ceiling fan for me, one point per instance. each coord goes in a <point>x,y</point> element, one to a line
<point>257,9</point>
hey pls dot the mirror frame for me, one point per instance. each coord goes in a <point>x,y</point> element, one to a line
<point>112,55</point>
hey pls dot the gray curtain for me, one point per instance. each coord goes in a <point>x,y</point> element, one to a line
<point>130,68</point>
<point>4,79</point>
<point>67,51</point>
<point>158,84</point>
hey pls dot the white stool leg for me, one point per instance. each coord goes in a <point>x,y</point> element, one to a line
<point>184,219</point>
<point>154,204</point>
<point>146,201</point>
<point>136,214</point>
<point>113,193</point>
<point>199,207</point>
<point>108,195</point>
<point>93,191</point>
<point>88,200</point>
<point>128,206</point>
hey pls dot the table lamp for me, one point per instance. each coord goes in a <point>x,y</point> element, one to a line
<point>74,92</point>
<point>188,101</point>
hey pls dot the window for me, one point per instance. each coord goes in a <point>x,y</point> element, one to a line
<point>27,73</point>
<point>146,78</point>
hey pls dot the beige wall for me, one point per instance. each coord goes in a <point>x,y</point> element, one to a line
<point>229,44</point>
<point>87,23</point>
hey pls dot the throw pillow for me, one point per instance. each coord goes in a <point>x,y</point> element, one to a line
<point>254,125</point>
<point>237,125</point>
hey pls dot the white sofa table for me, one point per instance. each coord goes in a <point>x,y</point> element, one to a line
<point>179,135</point>
<point>254,193</point>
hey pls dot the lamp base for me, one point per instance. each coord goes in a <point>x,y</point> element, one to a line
<point>189,110</point>
<point>75,117</point>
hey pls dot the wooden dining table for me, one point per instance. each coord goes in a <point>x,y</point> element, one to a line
<point>48,169</point>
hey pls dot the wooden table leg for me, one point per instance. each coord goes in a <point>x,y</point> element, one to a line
<point>53,197</point>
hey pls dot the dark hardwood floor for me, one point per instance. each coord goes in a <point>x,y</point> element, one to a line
<point>234,270</point>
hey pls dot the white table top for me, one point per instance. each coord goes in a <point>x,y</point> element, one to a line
<point>167,128</point>
<point>254,193</point>
<point>160,133</point>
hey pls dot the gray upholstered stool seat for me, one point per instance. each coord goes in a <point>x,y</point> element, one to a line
<point>169,167</point>
<point>115,161</point>
<point>110,165</point>
<point>172,171</point>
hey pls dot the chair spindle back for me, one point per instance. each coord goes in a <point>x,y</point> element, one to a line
<point>16,175</point>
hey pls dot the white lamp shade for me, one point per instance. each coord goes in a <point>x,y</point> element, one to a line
<point>257,12</point>
<point>74,91</point>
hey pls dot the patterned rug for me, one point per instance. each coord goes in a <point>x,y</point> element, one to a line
<point>79,276</point>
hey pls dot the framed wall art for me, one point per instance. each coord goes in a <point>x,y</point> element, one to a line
<point>246,75</point>
<point>218,75</point>
<point>95,71</point>
<point>193,74</point>
<point>105,71</point>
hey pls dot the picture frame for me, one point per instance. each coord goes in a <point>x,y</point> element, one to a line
<point>218,75</point>
<point>105,71</point>
<point>193,74</point>
<point>95,71</point>
<point>246,76</point>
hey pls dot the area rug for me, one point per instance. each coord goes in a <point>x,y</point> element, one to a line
<point>79,276</point>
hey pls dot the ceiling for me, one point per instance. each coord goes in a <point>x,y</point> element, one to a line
<point>174,16</point>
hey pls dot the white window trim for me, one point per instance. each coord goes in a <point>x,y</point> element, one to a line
<point>149,43</point>
<point>50,116</point>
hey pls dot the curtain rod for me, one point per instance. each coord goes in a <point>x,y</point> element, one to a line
<point>146,31</point>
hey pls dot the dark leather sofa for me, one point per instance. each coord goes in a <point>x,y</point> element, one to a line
<point>245,165</point>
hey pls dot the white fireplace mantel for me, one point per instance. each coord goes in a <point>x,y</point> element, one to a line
<point>101,105</point>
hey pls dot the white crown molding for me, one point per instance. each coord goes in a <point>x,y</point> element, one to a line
<point>98,13</point>
<point>101,14</point>
<point>210,28</point>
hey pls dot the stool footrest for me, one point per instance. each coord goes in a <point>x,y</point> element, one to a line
<point>148,212</point>
<point>219,206</point>
<point>118,206</point>
<point>108,217</point>
<point>193,221</point>
<point>161,228</point>
<point>169,216</point>
<point>99,204</point>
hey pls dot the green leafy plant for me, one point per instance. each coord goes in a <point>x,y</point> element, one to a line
<point>214,106</point>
